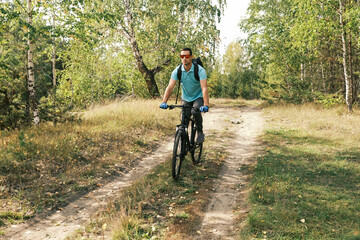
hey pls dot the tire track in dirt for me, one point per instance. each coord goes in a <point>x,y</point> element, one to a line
<point>245,125</point>
<point>58,225</point>
<point>218,223</point>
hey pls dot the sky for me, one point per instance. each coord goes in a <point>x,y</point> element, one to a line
<point>229,30</point>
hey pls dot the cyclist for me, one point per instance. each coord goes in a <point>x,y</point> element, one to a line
<point>194,92</point>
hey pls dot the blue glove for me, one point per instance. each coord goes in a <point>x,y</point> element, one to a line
<point>164,105</point>
<point>204,109</point>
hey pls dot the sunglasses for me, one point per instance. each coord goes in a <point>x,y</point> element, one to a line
<point>186,56</point>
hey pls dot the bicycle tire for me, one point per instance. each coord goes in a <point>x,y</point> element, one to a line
<point>178,154</point>
<point>197,148</point>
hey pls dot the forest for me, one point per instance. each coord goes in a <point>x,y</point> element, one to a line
<point>61,55</point>
<point>80,87</point>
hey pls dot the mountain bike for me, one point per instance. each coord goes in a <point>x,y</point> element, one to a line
<point>185,141</point>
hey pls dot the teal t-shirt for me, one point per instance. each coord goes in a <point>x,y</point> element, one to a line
<point>191,88</point>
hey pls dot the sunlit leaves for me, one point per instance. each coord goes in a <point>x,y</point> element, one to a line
<point>297,44</point>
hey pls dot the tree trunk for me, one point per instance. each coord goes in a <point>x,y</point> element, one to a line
<point>54,66</point>
<point>303,72</point>
<point>72,93</point>
<point>130,34</point>
<point>149,74</point>
<point>33,108</point>
<point>346,65</point>
<point>323,77</point>
<point>132,81</point>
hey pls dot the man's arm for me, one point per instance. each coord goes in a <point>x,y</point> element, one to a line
<point>169,90</point>
<point>204,89</point>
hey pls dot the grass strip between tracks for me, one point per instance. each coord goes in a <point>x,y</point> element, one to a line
<point>158,207</point>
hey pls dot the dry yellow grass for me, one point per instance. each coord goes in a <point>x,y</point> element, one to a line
<point>234,102</point>
<point>117,116</point>
<point>37,162</point>
<point>335,124</point>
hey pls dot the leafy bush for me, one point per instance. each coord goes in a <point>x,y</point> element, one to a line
<point>330,100</point>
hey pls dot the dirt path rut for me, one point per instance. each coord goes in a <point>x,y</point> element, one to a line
<point>58,225</point>
<point>244,124</point>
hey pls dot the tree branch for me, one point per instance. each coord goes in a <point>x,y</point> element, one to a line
<point>177,39</point>
<point>131,37</point>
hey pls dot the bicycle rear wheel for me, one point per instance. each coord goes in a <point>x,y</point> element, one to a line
<point>178,154</point>
<point>196,148</point>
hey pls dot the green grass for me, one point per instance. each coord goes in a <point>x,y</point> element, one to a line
<point>306,184</point>
<point>158,207</point>
<point>41,167</point>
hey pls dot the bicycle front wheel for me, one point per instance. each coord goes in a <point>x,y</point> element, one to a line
<point>196,149</point>
<point>178,154</point>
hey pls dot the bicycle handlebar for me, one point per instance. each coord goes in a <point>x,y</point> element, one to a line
<point>175,106</point>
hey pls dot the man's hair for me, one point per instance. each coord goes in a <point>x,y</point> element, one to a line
<point>187,49</point>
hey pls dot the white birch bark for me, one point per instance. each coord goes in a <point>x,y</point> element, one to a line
<point>54,63</point>
<point>347,75</point>
<point>30,66</point>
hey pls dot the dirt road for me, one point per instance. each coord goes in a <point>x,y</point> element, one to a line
<point>245,124</point>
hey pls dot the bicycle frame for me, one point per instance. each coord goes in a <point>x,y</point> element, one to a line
<point>183,143</point>
<point>184,129</point>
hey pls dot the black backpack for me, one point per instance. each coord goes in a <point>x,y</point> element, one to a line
<point>197,61</point>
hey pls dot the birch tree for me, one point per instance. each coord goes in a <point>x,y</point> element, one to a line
<point>347,61</point>
<point>33,107</point>
<point>156,30</point>
<point>305,47</point>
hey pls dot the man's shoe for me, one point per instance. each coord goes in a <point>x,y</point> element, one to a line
<point>200,138</point>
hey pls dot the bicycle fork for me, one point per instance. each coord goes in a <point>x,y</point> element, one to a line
<point>180,129</point>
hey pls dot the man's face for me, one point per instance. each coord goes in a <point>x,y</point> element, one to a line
<point>184,59</point>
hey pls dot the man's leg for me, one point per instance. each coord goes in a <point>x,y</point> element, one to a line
<point>198,119</point>
<point>187,111</point>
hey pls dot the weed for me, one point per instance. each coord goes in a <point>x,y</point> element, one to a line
<point>183,215</point>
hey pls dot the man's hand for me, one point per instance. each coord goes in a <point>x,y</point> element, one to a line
<point>164,105</point>
<point>204,109</point>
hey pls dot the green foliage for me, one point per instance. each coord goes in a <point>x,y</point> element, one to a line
<point>215,81</point>
<point>154,31</point>
<point>41,166</point>
<point>14,94</point>
<point>235,78</point>
<point>17,161</point>
<point>94,58</point>
<point>330,100</point>
<point>295,46</point>
<point>89,78</point>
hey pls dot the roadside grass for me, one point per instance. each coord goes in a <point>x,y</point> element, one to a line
<point>306,184</point>
<point>235,103</point>
<point>158,207</point>
<point>42,168</point>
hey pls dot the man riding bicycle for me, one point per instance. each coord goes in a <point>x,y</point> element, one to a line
<point>194,92</point>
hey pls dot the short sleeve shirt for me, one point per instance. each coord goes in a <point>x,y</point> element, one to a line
<point>191,88</point>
